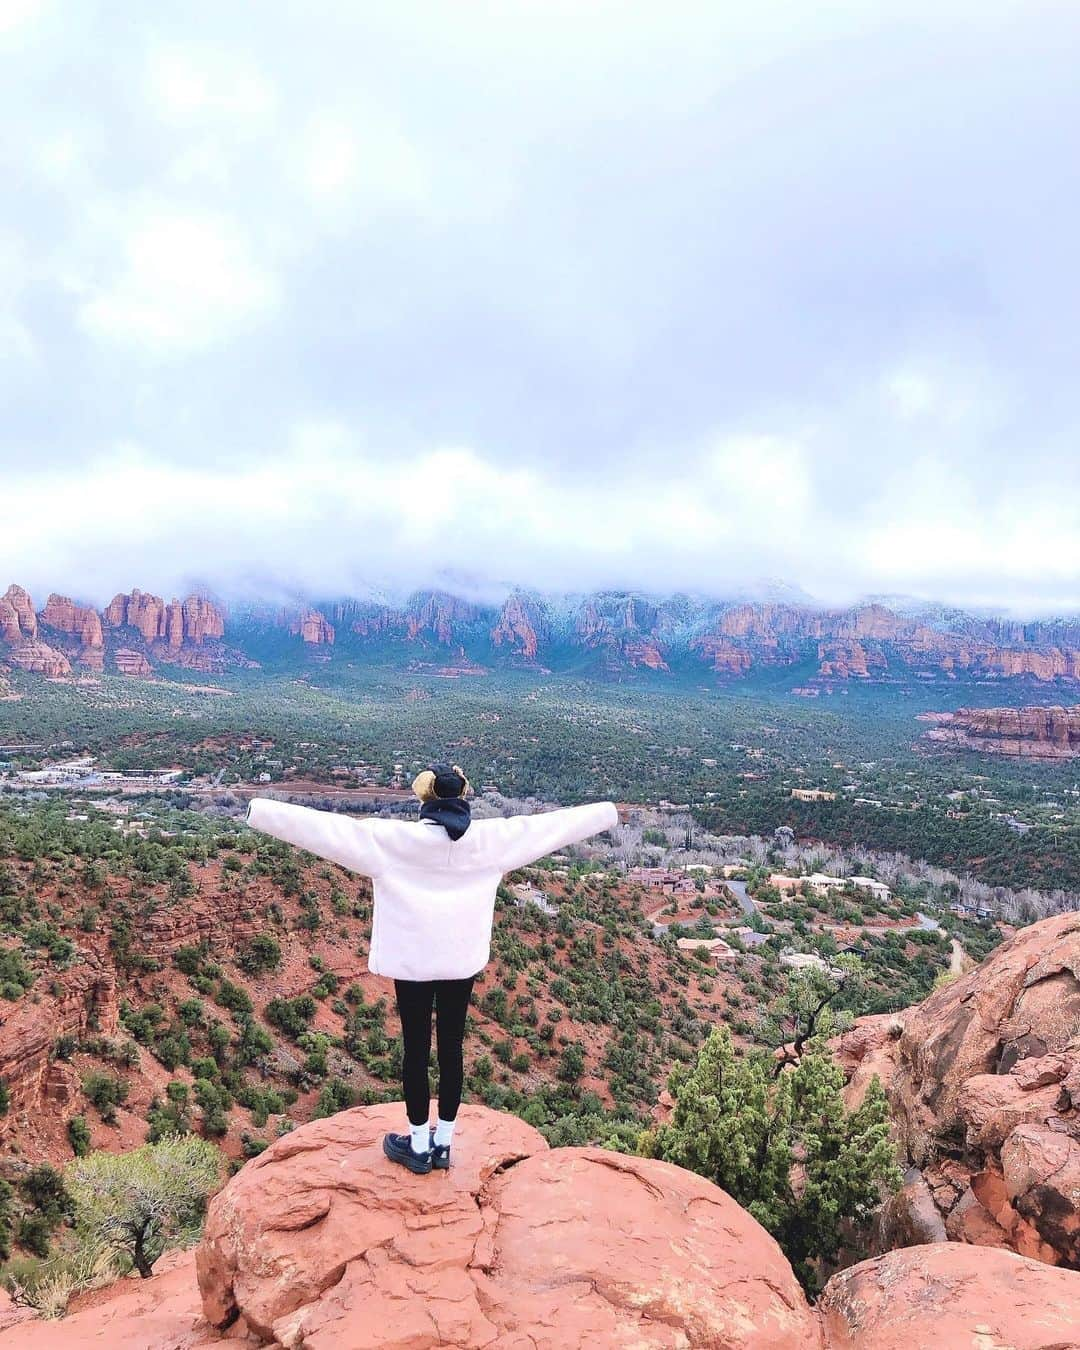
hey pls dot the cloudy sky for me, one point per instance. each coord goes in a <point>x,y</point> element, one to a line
<point>565,292</point>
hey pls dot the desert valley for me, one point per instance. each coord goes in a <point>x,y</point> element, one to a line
<point>833,824</point>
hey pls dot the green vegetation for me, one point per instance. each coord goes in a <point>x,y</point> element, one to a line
<point>743,1124</point>
<point>142,1202</point>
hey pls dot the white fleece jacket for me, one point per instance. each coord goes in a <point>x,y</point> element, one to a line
<point>434,896</point>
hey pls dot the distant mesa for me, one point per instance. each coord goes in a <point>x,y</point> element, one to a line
<point>1031,733</point>
<point>608,634</point>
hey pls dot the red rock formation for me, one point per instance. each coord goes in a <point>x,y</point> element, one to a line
<point>193,620</point>
<point>727,658</point>
<point>626,633</point>
<point>434,614</point>
<point>40,659</point>
<point>986,1095</point>
<point>174,625</point>
<point>517,627</point>
<point>770,622</point>
<point>439,614</point>
<point>87,998</point>
<point>949,1296</point>
<point>201,620</point>
<point>867,1051</point>
<point>868,641</point>
<point>82,622</point>
<point>312,627</point>
<point>322,1241</point>
<point>16,602</point>
<point>161,1313</point>
<point>130,662</point>
<point>845,660</point>
<point>645,652</point>
<point>1035,733</point>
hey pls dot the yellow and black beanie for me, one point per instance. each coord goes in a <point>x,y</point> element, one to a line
<point>439,782</point>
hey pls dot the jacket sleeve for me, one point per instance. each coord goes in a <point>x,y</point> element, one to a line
<point>523,839</point>
<point>329,834</point>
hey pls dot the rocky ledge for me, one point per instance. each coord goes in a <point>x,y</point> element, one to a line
<point>983,1080</point>
<point>320,1243</point>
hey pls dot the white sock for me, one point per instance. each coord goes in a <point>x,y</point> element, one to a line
<point>420,1136</point>
<point>444,1131</point>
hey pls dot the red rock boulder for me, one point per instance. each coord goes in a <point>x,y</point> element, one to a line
<point>321,1242</point>
<point>952,1296</point>
<point>985,1095</point>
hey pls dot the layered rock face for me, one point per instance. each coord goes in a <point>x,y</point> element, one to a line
<point>624,628</point>
<point>184,632</point>
<point>1034,733</point>
<point>18,621</point>
<point>82,623</point>
<point>519,628</point>
<point>983,1080</point>
<point>431,614</point>
<point>313,628</point>
<point>19,629</point>
<point>194,620</point>
<point>87,998</point>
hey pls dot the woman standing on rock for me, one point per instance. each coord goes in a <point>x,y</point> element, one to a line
<point>434,881</point>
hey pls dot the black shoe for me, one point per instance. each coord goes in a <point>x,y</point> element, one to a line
<point>440,1154</point>
<point>398,1148</point>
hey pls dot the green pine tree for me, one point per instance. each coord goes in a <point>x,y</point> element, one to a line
<point>783,1145</point>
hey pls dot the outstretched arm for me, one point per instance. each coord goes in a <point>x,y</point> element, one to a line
<point>329,834</point>
<point>523,839</point>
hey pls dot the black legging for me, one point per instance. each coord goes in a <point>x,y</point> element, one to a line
<point>415,999</point>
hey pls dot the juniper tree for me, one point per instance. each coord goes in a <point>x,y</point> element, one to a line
<point>785,1147</point>
<point>139,1202</point>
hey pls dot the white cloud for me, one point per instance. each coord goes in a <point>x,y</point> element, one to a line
<point>325,514</point>
<point>16,14</point>
<point>909,392</point>
<point>356,157</point>
<point>189,84</point>
<point>186,281</point>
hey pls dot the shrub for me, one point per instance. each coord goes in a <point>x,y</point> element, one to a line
<point>143,1201</point>
<point>291,1015</point>
<point>79,1135</point>
<point>106,1092</point>
<point>262,953</point>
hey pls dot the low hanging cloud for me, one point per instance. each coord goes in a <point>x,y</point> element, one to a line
<point>323,519</point>
<point>563,295</point>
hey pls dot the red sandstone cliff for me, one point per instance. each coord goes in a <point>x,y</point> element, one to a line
<point>433,614</point>
<point>983,1081</point>
<point>623,629</point>
<point>871,641</point>
<point>193,620</point>
<point>19,630</point>
<point>312,627</point>
<point>81,622</point>
<point>1034,733</point>
<point>85,1000</point>
<point>518,627</point>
